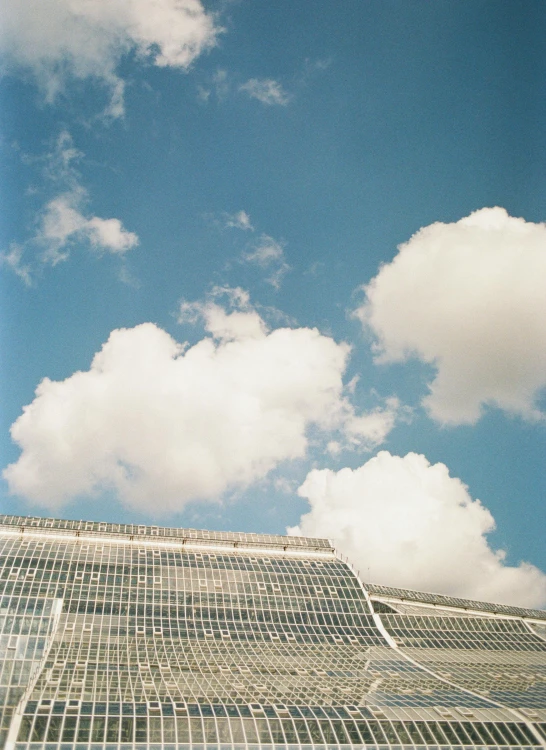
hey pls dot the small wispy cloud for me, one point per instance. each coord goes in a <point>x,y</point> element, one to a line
<point>266,90</point>
<point>13,259</point>
<point>368,430</point>
<point>268,254</point>
<point>64,220</point>
<point>219,85</point>
<point>312,67</point>
<point>239,220</point>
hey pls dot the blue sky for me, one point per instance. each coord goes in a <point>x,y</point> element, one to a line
<point>337,212</point>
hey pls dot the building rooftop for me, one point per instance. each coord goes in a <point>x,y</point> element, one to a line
<point>165,532</point>
<point>255,541</point>
<point>442,600</point>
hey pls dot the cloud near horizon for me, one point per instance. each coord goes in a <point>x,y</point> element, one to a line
<point>467,298</point>
<point>404,522</point>
<point>59,40</point>
<point>163,424</point>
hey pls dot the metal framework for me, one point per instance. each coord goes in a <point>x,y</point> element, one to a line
<point>127,636</point>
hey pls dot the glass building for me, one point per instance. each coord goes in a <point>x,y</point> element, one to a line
<point>122,636</point>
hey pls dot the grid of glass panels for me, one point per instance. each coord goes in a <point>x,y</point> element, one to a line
<point>26,626</point>
<point>408,595</point>
<point>93,528</point>
<point>174,644</point>
<point>495,656</point>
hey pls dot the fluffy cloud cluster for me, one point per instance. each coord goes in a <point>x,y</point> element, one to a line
<point>404,522</point>
<point>468,298</point>
<point>59,39</point>
<point>163,424</point>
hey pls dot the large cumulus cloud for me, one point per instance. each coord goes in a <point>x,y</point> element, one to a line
<point>405,522</point>
<point>468,298</point>
<point>163,424</point>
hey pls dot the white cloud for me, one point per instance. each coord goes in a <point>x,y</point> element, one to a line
<point>243,322</point>
<point>404,522</point>
<point>59,162</point>
<point>370,430</point>
<point>110,235</point>
<point>284,485</point>
<point>265,90</point>
<point>218,84</point>
<point>57,40</point>
<point>64,220</point>
<point>60,221</point>
<point>203,94</point>
<point>163,423</point>
<point>314,66</point>
<point>13,259</point>
<point>269,254</point>
<point>221,84</point>
<point>469,298</point>
<point>239,220</point>
<point>164,426</point>
<point>266,252</point>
